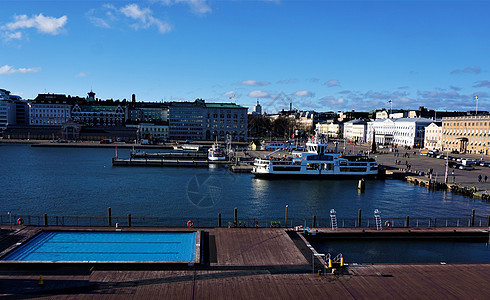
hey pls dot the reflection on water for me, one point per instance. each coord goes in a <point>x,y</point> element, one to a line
<point>82,182</point>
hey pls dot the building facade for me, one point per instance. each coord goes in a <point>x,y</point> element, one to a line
<point>98,115</point>
<point>355,130</point>
<point>13,110</point>
<point>50,110</point>
<point>199,120</point>
<point>468,134</point>
<point>399,132</point>
<point>433,136</point>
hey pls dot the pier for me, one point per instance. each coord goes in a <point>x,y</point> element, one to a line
<point>242,263</point>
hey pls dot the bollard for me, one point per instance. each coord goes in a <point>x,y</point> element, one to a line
<point>129,220</point>
<point>109,218</point>
<point>235,218</point>
<point>41,281</point>
<point>407,221</point>
<point>359,218</point>
<point>314,221</point>
<point>361,186</point>
<point>342,261</point>
<point>319,272</point>
<point>472,218</point>
<point>219,220</point>
<point>45,219</point>
<point>329,262</point>
<point>488,221</point>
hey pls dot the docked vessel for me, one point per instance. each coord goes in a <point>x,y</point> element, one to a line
<point>216,152</point>
<point>316,161</point>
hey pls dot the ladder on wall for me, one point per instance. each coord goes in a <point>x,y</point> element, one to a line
<point>377,217</point>
<point>333,219</point>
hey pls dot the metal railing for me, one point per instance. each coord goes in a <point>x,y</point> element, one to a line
<point>318,222</point>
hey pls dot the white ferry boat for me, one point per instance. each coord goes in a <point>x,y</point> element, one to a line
<point>216,152</point>
<point>315,162</point>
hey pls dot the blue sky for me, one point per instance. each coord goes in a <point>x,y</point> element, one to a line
<point>322,55</point>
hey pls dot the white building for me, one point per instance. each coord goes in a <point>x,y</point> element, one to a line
<point>401,132</point>
<point>384,130</point>
<point>355,130</point>
<point>50,110</point>
<point>332,130</point>
<point>433,136</point>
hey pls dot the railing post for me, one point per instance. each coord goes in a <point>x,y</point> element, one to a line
<point>407,222</point>
<point>314,221</point>
<point>109,217</point>
<point>472,218</point>
<point>235,218</point>
<point>219,220</point>
<point>129,220</point>
<point>359,218</point>
<point>45,219</point>
<point>488,221</point>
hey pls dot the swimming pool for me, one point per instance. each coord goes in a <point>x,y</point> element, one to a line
<point>116,246</point>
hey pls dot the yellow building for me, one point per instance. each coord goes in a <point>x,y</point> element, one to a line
<point>468,134</point>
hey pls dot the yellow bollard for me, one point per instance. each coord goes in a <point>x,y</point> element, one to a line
<point>342,261</point>
<point>329,262</point>
<point>41,281</point>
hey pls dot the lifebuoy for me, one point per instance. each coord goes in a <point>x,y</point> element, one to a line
<point>190,223</point>
<point>388,223</point>
<point>20,221</point>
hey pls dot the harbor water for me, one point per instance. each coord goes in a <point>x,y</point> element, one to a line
<point>82,181</point>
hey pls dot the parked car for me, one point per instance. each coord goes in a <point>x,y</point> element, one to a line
<point>463,167</point>
<point>455,152</point>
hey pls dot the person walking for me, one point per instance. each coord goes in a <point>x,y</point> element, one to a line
<point>479,178</point>
<point>486,177</point>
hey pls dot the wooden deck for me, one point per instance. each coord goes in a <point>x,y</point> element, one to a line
<point>249,263</point>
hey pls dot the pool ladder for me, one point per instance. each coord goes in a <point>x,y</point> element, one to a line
<point>377,217</point>
<point>333,219</point>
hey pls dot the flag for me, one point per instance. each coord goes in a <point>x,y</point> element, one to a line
<point>476,97</point>
<point>232,96</point>
<point>351,142</point>
<point>389,101</point>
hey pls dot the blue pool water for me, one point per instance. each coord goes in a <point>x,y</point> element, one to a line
<point>107,246</point>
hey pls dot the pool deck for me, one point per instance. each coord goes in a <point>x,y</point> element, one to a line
<point>243,263</point>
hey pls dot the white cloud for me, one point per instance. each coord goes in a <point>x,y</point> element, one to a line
<point>255,82</point>
<point>43,24</point>
<point>258,94</point>
<point>6,69</point>
<point>81,74</point>
<point>332,82</point>
<point>13,35</point>
<point>304,93</point>
<point>145,18</point>
<point>200,7</point>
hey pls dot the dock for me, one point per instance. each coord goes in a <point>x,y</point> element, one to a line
<point>245,263</point>
<point>141,162</point>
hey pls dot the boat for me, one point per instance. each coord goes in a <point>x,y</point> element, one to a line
<point>271,146</point>
<point>216,152</point>
<point>186,147</point>
<point>315,162</point>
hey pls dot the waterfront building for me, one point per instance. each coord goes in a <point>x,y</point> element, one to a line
<point>199,120</point>
<point>13,110</point>
<point>433,136</point>
<point>98,115</point>
<point>384,130</point>
<point>50,110</point>
<point>467,134</point>
<point>330,129</point>
<point>355,130</point>
<point>401,132</point>
<point>152,132</point>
